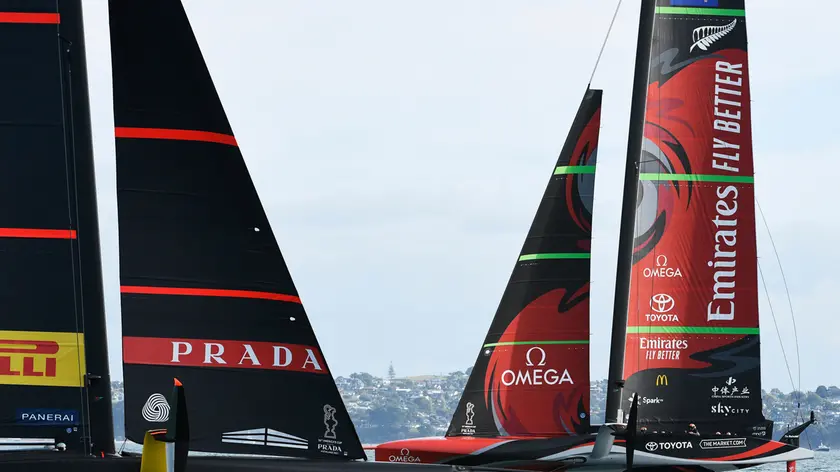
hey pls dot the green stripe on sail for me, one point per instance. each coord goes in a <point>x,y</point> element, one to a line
<point>688,330</point>
<point>744,179</point>
<point>554,255</point>
<point>534,343</point>
<point>699,11</point>
<point>574,170</point>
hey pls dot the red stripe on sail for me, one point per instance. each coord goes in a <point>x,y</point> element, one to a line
<point>209,292</point>
<point>37,233</point>
<point>224,354</point>
<point>30,18</point>
<point>175,134</point>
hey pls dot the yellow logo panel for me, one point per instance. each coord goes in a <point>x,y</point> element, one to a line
<point>42,358</point>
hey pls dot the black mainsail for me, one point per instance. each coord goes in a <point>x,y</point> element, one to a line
<point>54,377</point>
<point>206,294</point>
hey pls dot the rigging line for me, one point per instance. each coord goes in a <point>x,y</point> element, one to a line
<point>778,333</point>
<point>787,293</point>
<point>604,44</point>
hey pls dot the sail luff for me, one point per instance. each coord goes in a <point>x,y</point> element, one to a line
<point>98,381</point>
<point>53,334</point>
<point>615,379</point>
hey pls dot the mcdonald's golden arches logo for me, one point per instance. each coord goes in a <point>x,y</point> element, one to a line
<point>661,380</point>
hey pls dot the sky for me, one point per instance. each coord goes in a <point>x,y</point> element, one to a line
<point>400,150</point>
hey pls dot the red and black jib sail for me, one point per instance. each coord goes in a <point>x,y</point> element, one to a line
<point>532,374</point>
<point>692,336</point>
<point>52,330</point>
<point>206,294</point>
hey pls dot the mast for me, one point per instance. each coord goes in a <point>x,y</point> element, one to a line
<point>98,377</point>
<point>615,378</point>
<point>531,377</point>
<point>54,377</point>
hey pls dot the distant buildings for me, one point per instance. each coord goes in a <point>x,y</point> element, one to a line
<point>384,409</point>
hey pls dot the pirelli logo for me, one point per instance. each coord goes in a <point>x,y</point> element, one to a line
<point>42,358</point>
<point>661,380</point>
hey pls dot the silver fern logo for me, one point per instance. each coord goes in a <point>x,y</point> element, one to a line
<point>156,409</point>
<point>705,36</point>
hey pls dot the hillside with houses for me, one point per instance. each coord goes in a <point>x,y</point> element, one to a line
<point>392,407</point>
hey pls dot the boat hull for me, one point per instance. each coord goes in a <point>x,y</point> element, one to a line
<point>51,461</point>
<point>683,452</point>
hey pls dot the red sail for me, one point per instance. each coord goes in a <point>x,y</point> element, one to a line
<point>692,348</point>
<point>532,375</point>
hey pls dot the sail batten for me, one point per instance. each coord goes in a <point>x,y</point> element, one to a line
<point>205,291</point>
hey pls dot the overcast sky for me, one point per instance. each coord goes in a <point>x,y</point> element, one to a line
<point>400,149</point>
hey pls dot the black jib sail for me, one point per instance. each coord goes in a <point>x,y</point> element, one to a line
<point>692,338</point>
<point>206,294</point>
<point>54,380</point>
<point>532,374</point>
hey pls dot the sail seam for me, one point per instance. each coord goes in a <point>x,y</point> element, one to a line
<point>208,292</point>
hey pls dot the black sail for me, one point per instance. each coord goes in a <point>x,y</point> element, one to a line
<point>53,330</point>
<point>531,377</point>
<point>206,294</point>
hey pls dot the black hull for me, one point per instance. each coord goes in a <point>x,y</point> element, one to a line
<point>49,461</point>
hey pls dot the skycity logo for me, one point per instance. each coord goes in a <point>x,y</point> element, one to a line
<point>41,358</point>
<point>536,376</point>
<point>223,354</point>
<point>727,410</point>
